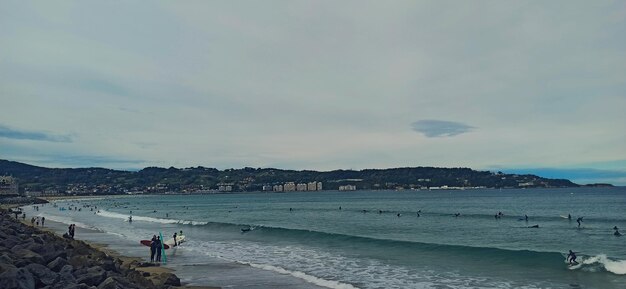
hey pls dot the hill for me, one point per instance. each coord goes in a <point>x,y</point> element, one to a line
<point>185,180</point>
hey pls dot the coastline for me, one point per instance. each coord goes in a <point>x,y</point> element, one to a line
<point>31,257</point>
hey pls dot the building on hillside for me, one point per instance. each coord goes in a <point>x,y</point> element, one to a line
<point>289,187</point>
<point>319,186</point>
<point>301,187</point>
<point>8,186</point>
<point>278,188</point>
<point>347,188</point>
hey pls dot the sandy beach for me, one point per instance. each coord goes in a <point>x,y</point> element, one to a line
<point>37,257</point>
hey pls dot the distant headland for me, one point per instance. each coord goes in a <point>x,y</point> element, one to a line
<point>20,178</point>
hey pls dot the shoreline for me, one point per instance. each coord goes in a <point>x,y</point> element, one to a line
<point>27,253</point>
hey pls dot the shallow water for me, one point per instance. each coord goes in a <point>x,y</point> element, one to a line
<point>303,240</point>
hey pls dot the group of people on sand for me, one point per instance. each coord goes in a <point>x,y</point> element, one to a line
<point>70,232</point>
<point>156,246</point>
<point>36,220</point>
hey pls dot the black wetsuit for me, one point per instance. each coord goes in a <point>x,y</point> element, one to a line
<point>153,249</point>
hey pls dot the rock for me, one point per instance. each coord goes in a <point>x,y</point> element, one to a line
<point>136,278</point>
<point>66,274</point>
<point>92,277</point>
<point>57,264</point>
<point>6,259</point>
<point>80,261</point>
<point>25,257</point>
<point>116,283</point>
<point>108,264</point>
<point>42,274</point>
<point>166,279</point>
<point>17,279</point>
<point>6,267</point>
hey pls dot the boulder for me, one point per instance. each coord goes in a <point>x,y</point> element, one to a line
<point>57,264</point>
<point>66,274</point>
<point>92,276</point>
<point>166,279</point>
<point>17,279</point>
<point>6,259</point>
<point>116,283</point>
<point>24,257</point>
<point>50,256</point>
<point>80,261</point>
<point>43,275</point>
<point>6,267</point>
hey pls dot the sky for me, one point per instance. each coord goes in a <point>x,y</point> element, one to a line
<point>512,86</point>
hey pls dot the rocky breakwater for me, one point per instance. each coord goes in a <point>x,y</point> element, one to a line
<point>31,258</point>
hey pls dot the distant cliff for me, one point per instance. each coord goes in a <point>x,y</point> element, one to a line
<point>161,180</point>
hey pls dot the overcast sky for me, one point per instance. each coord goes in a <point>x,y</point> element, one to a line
<point>517,86</point>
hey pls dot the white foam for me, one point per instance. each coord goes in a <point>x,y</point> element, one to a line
<point>105,213</point>
<point>65,220</point>
<point>301,275</point>
<point>616,267</point>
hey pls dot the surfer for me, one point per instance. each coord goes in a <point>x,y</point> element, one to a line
<point>616,233</point>
<point>533,226</point>
<point>569,217</point>
<point>130,219</point>
<point>159,247</point>
<point>153,248</point>
<point>457,215</point>
<point>571,258</point>
<point>43,219</point>
<point>526,218</point>
<point>175,244</point>
<point>579,220</point>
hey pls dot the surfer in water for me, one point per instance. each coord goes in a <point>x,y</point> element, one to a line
<point>571,258</point>
<point>579,220</point>
<point>616,233</point>
<point>175,244</point>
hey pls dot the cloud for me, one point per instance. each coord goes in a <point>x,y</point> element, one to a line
<point>7,132</point>
<point>440,128</point>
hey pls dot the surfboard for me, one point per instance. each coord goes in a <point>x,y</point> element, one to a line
<point>179,239</point>
<point>148,242</point>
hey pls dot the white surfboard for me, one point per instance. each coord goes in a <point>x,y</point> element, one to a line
<point>179,239</point>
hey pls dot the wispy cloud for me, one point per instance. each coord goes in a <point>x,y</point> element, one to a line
<point>6,132</point>
<point>440,128</point>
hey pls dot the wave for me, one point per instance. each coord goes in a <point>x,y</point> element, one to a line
<point>491,255</point>
<point>105,213</point>
<point>64,220</point>
<point>301,275</point>
<point>593,263</point>
<point>488,254</point>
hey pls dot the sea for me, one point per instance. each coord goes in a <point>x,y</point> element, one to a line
<point>368,239</point>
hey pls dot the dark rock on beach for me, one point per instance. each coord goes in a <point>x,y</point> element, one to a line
<point>32,259</point>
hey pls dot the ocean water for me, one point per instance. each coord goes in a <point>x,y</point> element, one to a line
<point>304,240</point>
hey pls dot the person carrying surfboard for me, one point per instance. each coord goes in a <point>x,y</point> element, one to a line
<point>153,248</point>
<point>158,248</point>
<point>175,244</point>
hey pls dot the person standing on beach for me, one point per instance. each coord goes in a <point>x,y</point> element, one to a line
<point>159,249</point>
<point>43,219</point>
<point>175,244</point>
<point>153,248</point>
